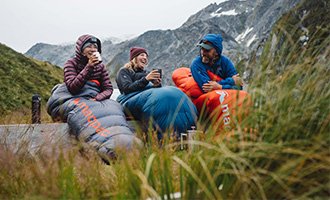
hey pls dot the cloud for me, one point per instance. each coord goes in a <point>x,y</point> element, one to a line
<point>26,23</point>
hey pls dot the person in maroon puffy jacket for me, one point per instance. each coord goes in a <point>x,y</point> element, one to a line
<point>86,67</point>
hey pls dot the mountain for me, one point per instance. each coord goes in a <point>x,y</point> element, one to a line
<point>243,24</point>
<point>58,54</point>
<point>21,77</point>
<point>300,36</point>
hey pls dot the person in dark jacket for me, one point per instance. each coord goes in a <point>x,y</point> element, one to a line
<point>86,66</point>
<point>133,77</point>
<point>167,108</point>
<point>211,59</point>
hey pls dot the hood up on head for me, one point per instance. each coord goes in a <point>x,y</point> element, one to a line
<point>81,41</point>
<point>215,40</point>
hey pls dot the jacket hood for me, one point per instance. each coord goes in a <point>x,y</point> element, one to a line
<point>216,41</point>
<point>81,41</point>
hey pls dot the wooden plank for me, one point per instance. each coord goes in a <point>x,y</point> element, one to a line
<point>35,137</point>
<point>45,137</point>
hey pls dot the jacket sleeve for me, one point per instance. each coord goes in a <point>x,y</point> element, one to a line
<point>199,72</point>
<point>74,81</point>
<point>105,84</point>
<point>227,71</point>
<point>227,83</point>
<point>127,84</point>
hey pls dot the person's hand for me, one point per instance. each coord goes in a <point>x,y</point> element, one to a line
<point>157,82</point>
<point>93,60</point>
<point>238,80</point>
<point>153,75</point>
<point>211,85</point>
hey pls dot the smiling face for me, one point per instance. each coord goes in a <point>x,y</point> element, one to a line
<point>141,61</point>
<point>209,56</point>
<point>89,50</point>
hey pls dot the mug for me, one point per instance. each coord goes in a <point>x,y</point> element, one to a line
<point>98,55</point>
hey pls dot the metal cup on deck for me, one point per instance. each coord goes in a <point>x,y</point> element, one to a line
<point>191,135</point>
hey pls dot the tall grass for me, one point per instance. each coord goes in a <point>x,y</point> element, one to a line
<point>287,155</point>
<point>24,116</point>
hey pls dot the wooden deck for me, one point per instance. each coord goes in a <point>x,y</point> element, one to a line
<point>33,137</point>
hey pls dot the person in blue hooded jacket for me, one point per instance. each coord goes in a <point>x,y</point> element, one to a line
<point>211,59</point>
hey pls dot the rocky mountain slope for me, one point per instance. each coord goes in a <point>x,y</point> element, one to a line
<point>243,25</point>
<point>300,37</point>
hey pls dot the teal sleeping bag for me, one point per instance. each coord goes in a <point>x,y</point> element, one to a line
<point>167,107</point>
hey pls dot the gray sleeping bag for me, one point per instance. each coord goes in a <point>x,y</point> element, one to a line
<point>102,124</point>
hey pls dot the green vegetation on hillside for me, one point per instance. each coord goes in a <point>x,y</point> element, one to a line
<point>21,77</point>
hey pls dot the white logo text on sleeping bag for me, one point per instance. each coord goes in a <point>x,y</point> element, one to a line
<point>92,121</point>
<point>225,110</point>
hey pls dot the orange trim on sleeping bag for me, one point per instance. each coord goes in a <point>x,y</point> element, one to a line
<point>221,106</point>
<point>96,81</point>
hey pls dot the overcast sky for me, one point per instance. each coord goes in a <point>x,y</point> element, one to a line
<point>26,22</point>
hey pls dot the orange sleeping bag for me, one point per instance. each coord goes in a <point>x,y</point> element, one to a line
<point>183,79</point>
<point>220,106</point>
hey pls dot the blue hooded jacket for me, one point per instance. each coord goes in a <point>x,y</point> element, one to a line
<point>224,68</point>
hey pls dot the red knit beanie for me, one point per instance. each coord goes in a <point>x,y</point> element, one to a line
<point>135,51</point>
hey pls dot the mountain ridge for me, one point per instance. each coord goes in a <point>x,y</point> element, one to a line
<point>249,21</point>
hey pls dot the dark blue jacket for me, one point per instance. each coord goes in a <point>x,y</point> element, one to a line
<point>224,68</point>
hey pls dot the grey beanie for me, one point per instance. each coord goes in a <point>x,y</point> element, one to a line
<point>90,41</point>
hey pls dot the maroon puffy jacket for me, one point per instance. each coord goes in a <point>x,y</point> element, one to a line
<point>77,72</point>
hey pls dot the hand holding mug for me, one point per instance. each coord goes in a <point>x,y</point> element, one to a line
<point>159,71</point>
<point>98,55</point>
<point>153,75</point>
<point>94,59</point>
